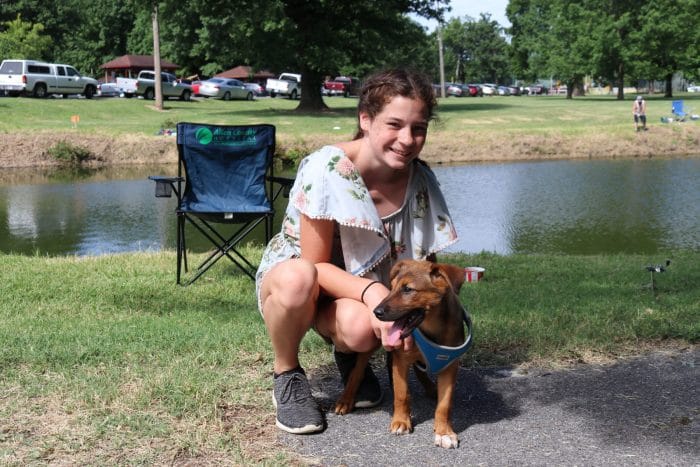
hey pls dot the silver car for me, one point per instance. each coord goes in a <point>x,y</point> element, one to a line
<point>225,88</point>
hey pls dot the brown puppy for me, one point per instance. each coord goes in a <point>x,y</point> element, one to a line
<point>424,296</point>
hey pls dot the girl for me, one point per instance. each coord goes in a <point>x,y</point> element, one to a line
<point>356,208</point>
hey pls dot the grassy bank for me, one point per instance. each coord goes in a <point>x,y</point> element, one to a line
<point>105,361</point>
<point>469,129</point>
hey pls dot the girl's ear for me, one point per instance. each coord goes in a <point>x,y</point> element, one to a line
<point>365,121</point>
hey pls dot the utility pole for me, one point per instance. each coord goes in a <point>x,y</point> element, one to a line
<point>442,60</point>
<point>156,57</point>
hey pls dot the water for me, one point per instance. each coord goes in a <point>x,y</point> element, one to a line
<point>568,207</point>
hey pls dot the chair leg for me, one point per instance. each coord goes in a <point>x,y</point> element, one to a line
<point>224,247</point>
<point>180,244</point>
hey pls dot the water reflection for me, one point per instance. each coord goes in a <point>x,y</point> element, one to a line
<point>575,207</point>
<point>570,207</point>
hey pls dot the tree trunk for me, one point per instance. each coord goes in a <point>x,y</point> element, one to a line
<point>570,88</point>
<point>156,58</point>
<point>668,93</point>
<point>311,98</point>
<point>620,82</point>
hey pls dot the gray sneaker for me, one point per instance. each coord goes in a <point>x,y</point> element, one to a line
<point>369,394</point>
<point>297,411</point>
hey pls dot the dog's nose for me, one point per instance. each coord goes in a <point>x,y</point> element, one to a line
<point>379,312</point>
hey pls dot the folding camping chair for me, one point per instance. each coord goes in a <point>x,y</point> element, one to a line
<point>680,113</point>
<point>228,178</point>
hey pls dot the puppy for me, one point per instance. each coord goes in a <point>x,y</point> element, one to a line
<point>424,296</point>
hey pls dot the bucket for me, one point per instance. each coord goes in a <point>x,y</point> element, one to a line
<point>473,273</point>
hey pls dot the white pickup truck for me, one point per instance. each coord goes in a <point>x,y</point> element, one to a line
<point>288,84</point>
<point>39,79</point>
<point>145,85</point>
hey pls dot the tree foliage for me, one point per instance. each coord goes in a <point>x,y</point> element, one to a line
<point>613,41</point>
<point>477,50</point>
<point>21,39</point>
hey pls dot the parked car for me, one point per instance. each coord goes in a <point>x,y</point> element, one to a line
<point>225,88</point>
<point>169,85</point>
<point>287,85</point>
<point>514,90</point>
<point>39,79</point>
<point>256,88</point>
<point>108,90</point>
<point>693,88</point>
<point>475,90</point>
<point>536,89</point>
<point>457,90</point>
<point>489,89</point>
<point>503,91</point>
<point>345,86</point>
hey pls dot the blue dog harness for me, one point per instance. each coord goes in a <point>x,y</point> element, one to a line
<point>438,357</point>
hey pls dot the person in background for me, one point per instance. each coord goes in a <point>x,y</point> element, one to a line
<point>639,110</point>
<point>356,208</point>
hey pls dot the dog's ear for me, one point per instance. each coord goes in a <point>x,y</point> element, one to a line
<point>454,275</point>
<point>396,269</point>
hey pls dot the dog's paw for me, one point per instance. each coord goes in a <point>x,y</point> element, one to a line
<point>343,407</point>
<point>401,427</point>
<point>448,441</point>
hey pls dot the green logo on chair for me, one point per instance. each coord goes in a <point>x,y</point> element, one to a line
<point>203,136</point>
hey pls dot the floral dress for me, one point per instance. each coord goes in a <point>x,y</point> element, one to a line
<point>328,186</point>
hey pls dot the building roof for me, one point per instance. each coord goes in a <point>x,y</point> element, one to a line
<point>244,72</point>
<point>137,61</point>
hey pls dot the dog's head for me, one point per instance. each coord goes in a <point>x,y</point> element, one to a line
<point>416,288</point>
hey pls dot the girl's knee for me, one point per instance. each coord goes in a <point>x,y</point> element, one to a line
<point>293,284</point>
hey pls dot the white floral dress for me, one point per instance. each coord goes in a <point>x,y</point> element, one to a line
<point>328,186</point>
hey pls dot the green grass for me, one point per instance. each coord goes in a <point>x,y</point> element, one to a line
<point>498,114</point>
<point>105,361</point>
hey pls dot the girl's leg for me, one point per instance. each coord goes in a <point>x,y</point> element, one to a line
<point>289,294</point>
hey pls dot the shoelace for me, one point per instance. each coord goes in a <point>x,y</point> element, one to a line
<point>295,388</point>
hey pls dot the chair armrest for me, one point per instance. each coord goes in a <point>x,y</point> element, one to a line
<point>285,186</point>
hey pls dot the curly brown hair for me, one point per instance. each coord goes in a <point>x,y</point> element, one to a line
<point>383,86</point>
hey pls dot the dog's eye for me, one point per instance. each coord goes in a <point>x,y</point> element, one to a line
<point>406,289</point>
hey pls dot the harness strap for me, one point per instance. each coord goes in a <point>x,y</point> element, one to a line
<point>438,357</point>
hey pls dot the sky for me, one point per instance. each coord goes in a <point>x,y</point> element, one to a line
<point>460,8</point>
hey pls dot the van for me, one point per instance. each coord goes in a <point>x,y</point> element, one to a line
<point>39,79</point>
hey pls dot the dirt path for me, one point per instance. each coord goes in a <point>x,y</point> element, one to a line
<point>20,150</point>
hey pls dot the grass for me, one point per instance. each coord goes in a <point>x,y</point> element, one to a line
<point>510,114</point>
<point>106,362</point>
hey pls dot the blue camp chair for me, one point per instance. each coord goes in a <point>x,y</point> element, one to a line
<point>680,113</point>
<point>228,178</point>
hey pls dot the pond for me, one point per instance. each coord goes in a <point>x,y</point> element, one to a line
<point>568,207</point>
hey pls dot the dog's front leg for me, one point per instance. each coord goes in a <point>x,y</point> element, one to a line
<point>346,402</point>
<point>444,434</point>
<point>401,420</point>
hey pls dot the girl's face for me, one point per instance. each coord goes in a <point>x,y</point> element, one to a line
<point>397,133</point>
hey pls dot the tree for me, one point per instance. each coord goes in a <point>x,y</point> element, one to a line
<point>25,40</point>
<point>318,37</point>
<point>478,51</point>
<point>569,44</point>
<point>667,40</point>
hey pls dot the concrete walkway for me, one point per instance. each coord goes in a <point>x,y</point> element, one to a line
<point>637,411</point>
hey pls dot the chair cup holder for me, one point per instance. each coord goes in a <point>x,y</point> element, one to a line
<point>164,190</point>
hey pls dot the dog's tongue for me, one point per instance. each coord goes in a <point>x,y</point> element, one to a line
<point>394,335</point>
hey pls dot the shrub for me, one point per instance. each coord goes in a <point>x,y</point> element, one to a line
<point>69,154</point>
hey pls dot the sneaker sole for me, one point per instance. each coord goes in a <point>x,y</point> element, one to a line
<point>367,404</point>
<point>294,430</point>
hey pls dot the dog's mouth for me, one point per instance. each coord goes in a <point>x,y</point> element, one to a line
<point>405,325</point>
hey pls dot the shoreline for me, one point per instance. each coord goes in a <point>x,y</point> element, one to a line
<point>21,151</point>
